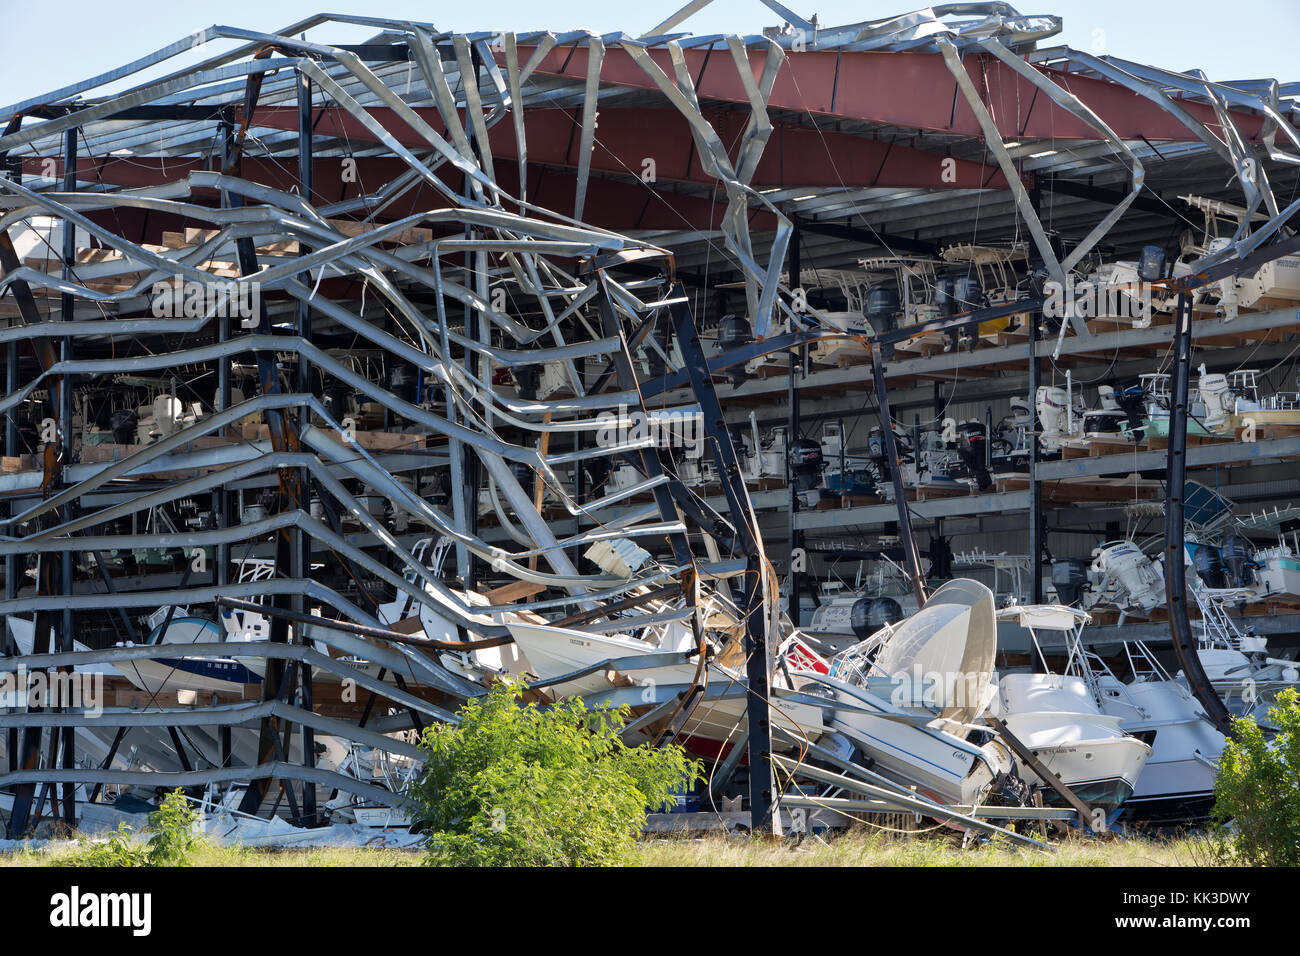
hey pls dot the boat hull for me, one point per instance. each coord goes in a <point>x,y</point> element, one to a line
<point>937,764</point>
<point>1057,718</point>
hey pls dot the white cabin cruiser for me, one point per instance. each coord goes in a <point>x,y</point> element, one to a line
<point>1175,781</point>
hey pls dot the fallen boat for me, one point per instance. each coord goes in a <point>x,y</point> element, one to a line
<point>596,666</point>
<point>1174,781</point>
<point>909,697</point>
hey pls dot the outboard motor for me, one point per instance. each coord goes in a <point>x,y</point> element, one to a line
<point>1216,398</point>
<point>1132,399</point>
<point>1070,579</point>
<point>941,556</point>
<point>967,293</point>
<point>1124,562</point>
<point>597,471</point>
<point>1052,404</point>
<point>123,425</point>
<point>1108,418</point>
<point>882,307</point>
<point>971,440</point>
<point>869,615</point>
<point>168,411</point>
<point>876,444</point>
<point>1209,566</point>
<point>878,453</point>
<point>806,463</point>
<point>403,382</point>
<point>528,379</point>
<point>1020,413</point>
<point>441,488</point>
<point>734,332</point>
<point>1151,264</point>
<point>945,295</point>
<point>1237,561</point>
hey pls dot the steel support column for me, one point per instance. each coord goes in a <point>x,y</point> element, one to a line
<point>794,540</point>
<point>1180,629</point>
<point>905,536</point>
<point>279,681</point>
<point>12,449</point>
<point>221,497</point>
<point>754,599</point>
<point>1035,486</point>
<point>67,308</point>
<point>302,541</point>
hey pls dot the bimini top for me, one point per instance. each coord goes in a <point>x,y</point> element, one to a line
<point>1045,617</point>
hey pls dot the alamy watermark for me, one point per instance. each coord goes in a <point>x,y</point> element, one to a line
<point>1090,300</point>
<point>939,690</point>
<point>72,690</point>
<point>76,909</point>
<point>181,299</point>
<point>666,428</point>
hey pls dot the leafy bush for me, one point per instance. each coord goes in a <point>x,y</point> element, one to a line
<point>517,785</point>
<point>171,844</point>
<point>1258,790</point>
<point>118,850</point>
<point>174,836</point>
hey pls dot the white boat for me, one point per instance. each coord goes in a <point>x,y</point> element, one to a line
<point>1175,781</point>
<point>1235,659</point>
<point>167,673</point>
<point>905,716</point>
<point>1275,284</point>
<point>1279,566</point>
<point>1057,718</point>
<point>713,723</point>
<point>880,598</point>
<point>554,651</point>
<point>228,675</point>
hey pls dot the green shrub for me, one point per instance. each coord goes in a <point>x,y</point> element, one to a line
<point>118,850</point>
<point>1257,792</point>
<point>516,785</point>
<point>173,839</point>
<point>174,836</point>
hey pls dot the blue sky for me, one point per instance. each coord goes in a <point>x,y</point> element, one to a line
<point>44,47</point>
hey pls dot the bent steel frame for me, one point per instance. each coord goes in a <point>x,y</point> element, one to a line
<point>449,204</point>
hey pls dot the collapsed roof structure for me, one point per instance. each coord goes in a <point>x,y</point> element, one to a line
<point>381,229</point>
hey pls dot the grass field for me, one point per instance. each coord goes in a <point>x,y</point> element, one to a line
<point>853,849</point>
<point>864,849</point>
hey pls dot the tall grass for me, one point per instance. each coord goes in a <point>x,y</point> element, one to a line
<point>856,848</point>
<point>865,848</point>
